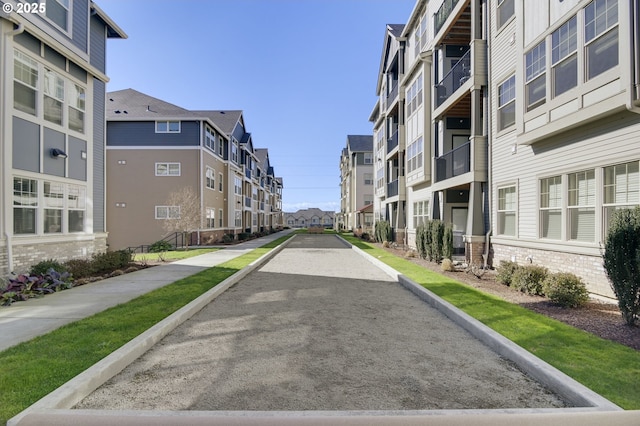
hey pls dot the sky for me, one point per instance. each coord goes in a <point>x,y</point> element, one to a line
<point>304,73</point>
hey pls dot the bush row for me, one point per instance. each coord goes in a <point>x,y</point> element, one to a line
<point>563,288</point>
<point>434,240</point>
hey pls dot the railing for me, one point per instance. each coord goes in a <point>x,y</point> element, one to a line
<point>392,188</point>
<point>454,163</point>
<point>247,202</point>
<point>455,78</point>
<point>176,240</point>
<point>261,206</point>
<point>247,172</point>
<point>393,94</point>
<point>443,13</point>
<point>392,142</point>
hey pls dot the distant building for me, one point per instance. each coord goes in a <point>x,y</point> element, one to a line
<point>310,218</point>
<point>356,180</point>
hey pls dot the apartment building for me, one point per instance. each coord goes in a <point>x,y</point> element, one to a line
<point>52,133</point>
<point>356,180</point>
<point>565,130</point>
<point>312,217</point>
<point>428,124</point>
<point>155,148</point>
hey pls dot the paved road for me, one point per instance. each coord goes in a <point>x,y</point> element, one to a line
<point>319,328</point>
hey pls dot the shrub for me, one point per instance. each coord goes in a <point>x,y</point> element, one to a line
<point>228,238</point>
<point>505,272</point>
<point>365,236</point>
<point>160,246</point>
<point>421,240</point>
<point>243,236</point>
<point>529,278</point>
<point>383,231</point>
<point>41,268</point>
<point>111,260</point>
<point>437,232</point>
<point>447,265</point>
<point>26,286</point>
<point>447,241</point>
<point>622,261</point>
<point>565,289</point>
<point>80,268</point>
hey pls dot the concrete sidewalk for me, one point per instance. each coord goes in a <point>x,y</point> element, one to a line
<point>24,321</point>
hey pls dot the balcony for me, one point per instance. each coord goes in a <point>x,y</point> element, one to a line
<point>247,202</point>
<point>454,163</point>
<point>261,206</point>
<point>247,172</point>
<point>392,188</point>
<point>455,78</point>
<point>393,94</point>
<point>392,142</point>
<point>443,13</point>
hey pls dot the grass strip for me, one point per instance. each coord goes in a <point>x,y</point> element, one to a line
<point>35,368</point>
<point>608,368</point>
<point>171,255</point>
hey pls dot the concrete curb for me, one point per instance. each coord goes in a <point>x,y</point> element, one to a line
<point>566,387</point>
<point>76,389</point>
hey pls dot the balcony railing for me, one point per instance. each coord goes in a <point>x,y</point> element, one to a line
<point>392,142</point>
<point>392,188</point>
<point>454,163</point>
<point>247,172</point>
<point>443,13</point>
<point>455,78</point>
<point>261,206</point>
<point>393,94</point>
<point>247,202</point>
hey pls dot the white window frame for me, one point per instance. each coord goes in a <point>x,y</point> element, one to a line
<point>67,5</point>
<point>564,53</point>
<point>210,218</point>
<point>210,138</point>
<point>536,75</point>
<point>507,99</point>
<point>167,212</point>
<point>26,200</point>
<point>168,128</point>
<point>507,207</point>
<point>505,11</point>
<point>621,189</point>
<point>550,204</point>
<point>414,155</point>
<point>170,169</point>
<point>581,205</point>
<point>368,158</point>
<point>596,32</point>
<point>210,178</point>
<point>220,218</point>
<point>420,213</point>
<point>76,202</point>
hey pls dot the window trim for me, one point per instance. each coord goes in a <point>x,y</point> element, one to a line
<point>168,166</point>
<point>514,210</point>
<point>169,210</point>
<point>511,102</point>
<point>507,19</point>
<point>168,124</point>
<point>576,206</point>
<point>559,208</point>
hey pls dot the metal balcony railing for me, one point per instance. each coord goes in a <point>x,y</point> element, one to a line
<point>392,188</point>
<point>247,202</point>
<point>443,13</point>
<point>455,78</point>
<point>454,163</point>
<point>392,142</point>
<point>247,172</point>
<point>393,94</point>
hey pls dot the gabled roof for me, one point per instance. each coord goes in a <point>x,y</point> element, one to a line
<point>395,29</point>
<point>391,31</point>
<point>262,155</point>
<point>129,104</point>
<point>113,30</point>
<point>226,120</point>
<point>360,143</point>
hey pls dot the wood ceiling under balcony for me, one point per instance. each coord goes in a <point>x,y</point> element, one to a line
<point>460,31</point>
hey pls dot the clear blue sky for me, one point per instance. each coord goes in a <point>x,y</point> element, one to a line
<point>303,71</point>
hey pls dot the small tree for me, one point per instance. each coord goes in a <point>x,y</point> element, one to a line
<point>184,214</point>
<point>622,261</point>
<point>383,231</point>
<point>447,241</point>
<point>437,232</point>
<point>421,240</point>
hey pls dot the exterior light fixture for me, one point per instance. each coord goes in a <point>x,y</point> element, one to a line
<point>58,153</point>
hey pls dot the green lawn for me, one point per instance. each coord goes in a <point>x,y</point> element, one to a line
<point>171,255</point>
<point>33,369</point>
<point>608,368</point>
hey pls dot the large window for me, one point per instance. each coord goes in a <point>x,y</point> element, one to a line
<point>209,139</point>
<point>25,205</point>
<point>220,212</point>
<point>53,207</point>
<point>420,213</point>
<point>76,204</point>
<point>601,36</point>
<point>551,208</point>
<point>535,67</point>
<point>210,178</point>
<point>167,212</point>
<point>53,89</point>
<point>210,216</point>
<point>368,178</point>
<point>25,73</point>
<point>581,205</point>
<point>621,189</point>
<point>58,12</point>
<point>414,155</point>
<point>507,103</point>
<point>167,169</point>
<point>564,57</point>
<point>414,96</point>
<point>506,9</point>
<point>220,184</point>
<point>77,100</point>
<point>507,210</point>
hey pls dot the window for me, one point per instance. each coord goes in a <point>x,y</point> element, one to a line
<point>237,184</point>
<point>564,59</point>
<point>414,155</point>
<point>53,207</point>
<point>53,90</point>
<point>368,158</point>
<point>25,205</point>
<point>25,83</point>
<point>581,206</point>
<point>58,12</point>
<point>420,213</point>
<point>76,204</point>
<point>506,103</point>
<point>601,36</point>
<point>211,178</point>
<point>167,169</point>
<point>414,96</point>
<point>167,127</point>
<point>221,143</point>
<point>621,189</point>
<point>167,212</point>
<point>380,178</point>
<point>507,205</point>
<point>77,100</point>
<point>210,218</point>
<point>506,9</point>
<point>551,208</point>
<point>238,219</point>
<point>535,64</point>
<point>368,178</point>
<point>220,185</point>
<point>220,211</point>
<point>234,151</point>
<point>368,199</point>
<point>210,139</point>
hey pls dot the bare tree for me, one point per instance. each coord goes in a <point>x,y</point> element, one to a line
<point>184,213</point>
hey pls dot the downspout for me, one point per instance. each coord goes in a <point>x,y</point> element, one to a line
<point>487,105</point>
<point>634,54</point>
<point>5,173</point>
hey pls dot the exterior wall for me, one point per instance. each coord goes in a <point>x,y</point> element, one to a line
<point>133,191</point>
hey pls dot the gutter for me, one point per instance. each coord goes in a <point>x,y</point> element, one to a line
<point>5,174</point>
<point>487,100</point>
<point>634,54</point>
